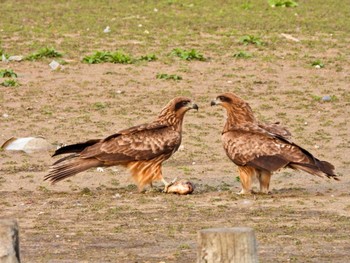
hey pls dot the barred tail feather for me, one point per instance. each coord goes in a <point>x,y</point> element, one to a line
<point>69,166</point>
<point>320,168</point>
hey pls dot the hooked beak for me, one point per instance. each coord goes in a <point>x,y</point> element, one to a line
<point>194,106</point>
<point>215,102</point>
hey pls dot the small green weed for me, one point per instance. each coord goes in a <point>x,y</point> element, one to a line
<point>99,105</point>
<point>242,54</point>
<point>86,191</point>
<point>168,76</point>
<point>238,179</point>
<point>187,54</point>
<point>10,83</point>
<point>324,98</point>
<point>149,57</point>
<point>247,5</point>
<point>250,39</point>
<point>45,52</point>
<point>317,63</point>
<point>107,56</point>
<point>282,3</point>
<point>7,73</point>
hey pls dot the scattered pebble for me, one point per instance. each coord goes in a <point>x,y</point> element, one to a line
<point>326,98</point>
<point>139,25</point>
<point>181,148</point>
<point>290,37</point>
<point>146,32</point>
<point>318,66</point>
<point>5,115</point>
<point>120,91</point>
<point>99,169</point>
<point>107,29</point>
<point>305,123</point>
<point>57,236</point>
<point>117,196</point>
<point>54,65</point>
<point>4,59</point>
<point>193,163</point>
<point>15,58</point>
<point>317,146</point>
<point>155,10</point>
<point>229,81</point>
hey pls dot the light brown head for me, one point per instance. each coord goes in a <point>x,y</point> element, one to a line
<point>238,111</point>
<point>175,110</point>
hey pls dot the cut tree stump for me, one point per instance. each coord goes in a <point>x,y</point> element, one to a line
<point>9,243</point>
<point>227,245</point>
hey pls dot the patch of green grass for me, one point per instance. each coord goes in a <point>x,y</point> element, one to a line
<point>242,54</point>
<point>320,98</point>
<point>10,83</point>
<point>247,5</point>
<point>317,63</point>
<point>99,105</point>
<point>86,191</point>
<point>282,3</point>
<point>45,52</point>
<point>188,54</point>
<point>149,57</point>
<point>251,40</point>
<point>168,76</point>
<point>7,73</point>
<point>107,56</point>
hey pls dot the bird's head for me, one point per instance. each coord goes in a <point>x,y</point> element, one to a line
<point>237,109</point>
<point>176,108</point>
<point>228,100</point>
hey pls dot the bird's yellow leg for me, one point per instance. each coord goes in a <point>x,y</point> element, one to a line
<point>245,176</point>
<point>264,180</point>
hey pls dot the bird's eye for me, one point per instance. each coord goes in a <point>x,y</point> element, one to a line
<point>184,103</point>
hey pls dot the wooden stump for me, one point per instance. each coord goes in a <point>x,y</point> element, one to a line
<point>9,243</point>
<point>227,245</point>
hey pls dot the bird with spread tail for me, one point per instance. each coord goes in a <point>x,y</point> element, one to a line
<point>259,149</point>
<point>141,149</point>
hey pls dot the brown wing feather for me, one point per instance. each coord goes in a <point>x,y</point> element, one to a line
<point>276,128</point>
<point>141,143</point>
<point>264,151</point>
<point>136,146</point>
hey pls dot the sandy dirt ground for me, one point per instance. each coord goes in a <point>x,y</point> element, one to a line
<point>100,216</point>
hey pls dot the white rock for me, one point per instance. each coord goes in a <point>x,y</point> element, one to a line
<point>54,65</point>
<point>27,144</point>
<point>99,169</point>
<point>4,59</point>
<point>318,66</point>
<point>15,58</point>
<point>107,29</point>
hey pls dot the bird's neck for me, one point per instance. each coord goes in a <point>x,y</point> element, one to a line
<point>238,117</point>
<point>171,119</point>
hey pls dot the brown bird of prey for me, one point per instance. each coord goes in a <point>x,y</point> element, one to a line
<point>142,149</point>
<point>260,149</point>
